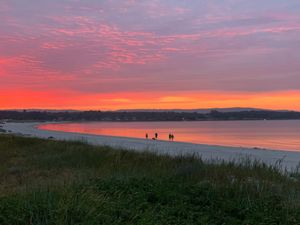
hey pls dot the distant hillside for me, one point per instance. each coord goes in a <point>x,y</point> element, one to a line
<point>208,110</point>
<point>203,111</point>
<point>43,110</point>
<point>253,114</point>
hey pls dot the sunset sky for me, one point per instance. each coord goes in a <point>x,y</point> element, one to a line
<point>120,54</point>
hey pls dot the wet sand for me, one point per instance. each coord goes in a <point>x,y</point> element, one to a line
<point>207,152</point>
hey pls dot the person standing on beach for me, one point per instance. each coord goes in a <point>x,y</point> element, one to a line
<point>172,137</point>
<point>156,135</point>
<point>146,135</point>
<point>169,137</point>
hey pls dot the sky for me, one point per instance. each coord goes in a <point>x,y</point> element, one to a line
<point>158,54</point>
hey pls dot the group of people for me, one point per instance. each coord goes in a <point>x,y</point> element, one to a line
<point>171,136</point>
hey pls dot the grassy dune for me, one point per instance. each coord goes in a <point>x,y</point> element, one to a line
<point>61,183</point>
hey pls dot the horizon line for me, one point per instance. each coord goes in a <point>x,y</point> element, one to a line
<point>149,109</point>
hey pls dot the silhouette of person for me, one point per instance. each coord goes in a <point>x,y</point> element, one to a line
<point>169,137</point>
<point>156,135</point>
<point>172,137</point>
<point>146,135</point>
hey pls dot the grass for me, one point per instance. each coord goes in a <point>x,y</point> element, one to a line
<point>2,130</point>
<point>63,183</point>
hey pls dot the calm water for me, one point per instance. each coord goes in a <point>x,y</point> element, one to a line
<point>282,135</point>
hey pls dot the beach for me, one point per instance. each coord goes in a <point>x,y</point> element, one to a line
<point>287,159</point>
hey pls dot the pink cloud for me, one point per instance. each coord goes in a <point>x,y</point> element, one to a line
<point>94,46</point>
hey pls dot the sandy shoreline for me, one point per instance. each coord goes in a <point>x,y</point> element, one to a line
<point>289,159</point>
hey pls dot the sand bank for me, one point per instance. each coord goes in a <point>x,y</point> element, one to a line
<point>207,152</point>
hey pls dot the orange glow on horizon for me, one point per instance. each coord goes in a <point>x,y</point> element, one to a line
<point>55,99</point>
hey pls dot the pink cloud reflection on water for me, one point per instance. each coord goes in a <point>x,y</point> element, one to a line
<point>278,135</point>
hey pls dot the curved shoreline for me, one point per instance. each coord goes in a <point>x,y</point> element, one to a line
<point>289,159</point>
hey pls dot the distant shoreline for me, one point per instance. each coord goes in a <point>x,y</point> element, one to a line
<point>149,116</point>
<point>135,121</point>
<point>289,159</point>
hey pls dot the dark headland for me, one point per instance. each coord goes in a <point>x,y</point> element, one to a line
<point>150,115</point>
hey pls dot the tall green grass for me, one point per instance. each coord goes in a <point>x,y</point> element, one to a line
<point>55,182</point>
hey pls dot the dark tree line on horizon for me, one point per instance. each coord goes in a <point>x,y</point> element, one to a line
<point>146,116</point>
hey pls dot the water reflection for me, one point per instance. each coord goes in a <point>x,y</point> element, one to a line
<point>282,135</point>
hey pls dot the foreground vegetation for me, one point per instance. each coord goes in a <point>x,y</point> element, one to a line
<point>54,182</point>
